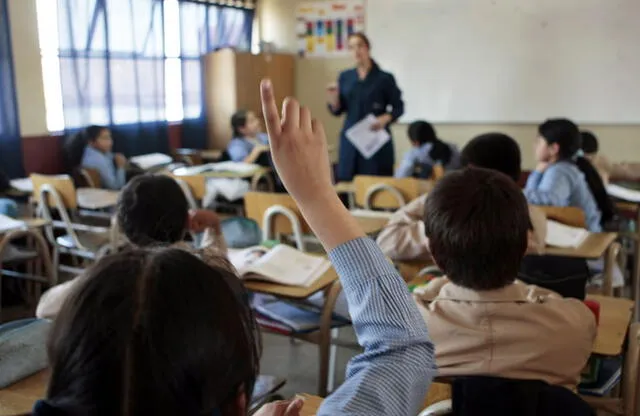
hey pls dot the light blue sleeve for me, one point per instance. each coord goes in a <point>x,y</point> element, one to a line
<point>407,165</point>
<point>263,138</point>
<point>237,150</point>
<point>110,177</point>
<point>553,187</point>
<point>391,377</point>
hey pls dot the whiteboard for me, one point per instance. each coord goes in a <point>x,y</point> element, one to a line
<point>511,60</point>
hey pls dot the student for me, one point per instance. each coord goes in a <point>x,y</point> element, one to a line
<point>482,320</point>
<point>97,155</point>
<point>8,207</point>
<point>428,150</point>
<point>404,239</point>
<point>152,211</point>
<point>624,171</point>
<point>249,143</point>
<point>119,344</point>
<point>564,178</point>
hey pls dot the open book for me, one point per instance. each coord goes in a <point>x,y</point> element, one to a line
<point>151,160</point>
<point>9,224</point>
<point>560,235</point>
<point>282,264</point>
<point>623,193</point>
<point>234,167</point>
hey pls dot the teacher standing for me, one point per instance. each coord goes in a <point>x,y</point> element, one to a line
<point>363,90</point>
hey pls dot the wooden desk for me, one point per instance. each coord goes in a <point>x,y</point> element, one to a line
<point>211,155</point>
<point>371,225</point>
<point>94,198</point>
<point>593,248</point>
<point>255,175</point>
<point>293,292</point>
<point>20,397</point>
<point>615,316</point>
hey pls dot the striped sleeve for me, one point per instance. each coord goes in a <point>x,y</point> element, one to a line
<point>393,374</point>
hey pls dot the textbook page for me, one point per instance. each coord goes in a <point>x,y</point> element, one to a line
<point>365,139</point>
<point>286,265</point>
<point>623,193</point>
<point>564,236</point>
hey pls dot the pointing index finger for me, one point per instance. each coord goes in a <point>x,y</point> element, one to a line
<point>270,109</point>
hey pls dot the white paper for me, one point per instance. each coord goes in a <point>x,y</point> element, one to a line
<point>623,193</point>
<point>22,184</point>
<point>151,160</point>
<point>235,167</point>
<point>365,139</point>
<point>564,236</point>
<point>9,224</point>
<point>366,213</point>
<point>194,170</point>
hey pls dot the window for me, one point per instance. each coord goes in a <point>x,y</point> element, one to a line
<point>123,61</point>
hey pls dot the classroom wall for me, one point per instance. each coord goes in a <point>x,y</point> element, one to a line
<point>277,25</point>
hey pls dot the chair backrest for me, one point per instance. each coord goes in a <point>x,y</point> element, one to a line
<point>631,380</point>
<point>91,177</point>
<point>385,192</point>
<point>259,203</point>
<point>566,215</point>
<point>438,172</point>
<point>63,184</point>
<point>197,184</point>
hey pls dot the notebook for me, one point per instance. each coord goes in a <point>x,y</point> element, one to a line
<point>623,193</point>
<point>564,236</point>
<point>151,160</point>
<point>297,317</point>
<point>282,264</point>
<point>607,378</point>
<point>9,224</point>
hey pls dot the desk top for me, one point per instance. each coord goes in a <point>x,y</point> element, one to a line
<point>29,224</point>
<point>592,248</point>
<point>211,154</point>
<point>294,292</point>
<point>371,225</point>
<point>260,170</point>
<point>94,198</point>
<point>615,316</point>
<point>20,397</point>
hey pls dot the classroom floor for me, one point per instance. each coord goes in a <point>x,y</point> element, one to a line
<point>297,362</point>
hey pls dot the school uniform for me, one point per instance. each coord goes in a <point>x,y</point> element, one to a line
<point>518,332</point>
<point>419,156</point>
<point>403,238</point>
<point>562,184</point>
<point>213,248</point>
<point>240,147</point>
<point>376,94</point>
<point>110,176</point>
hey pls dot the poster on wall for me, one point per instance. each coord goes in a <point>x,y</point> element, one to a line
<point>324,26</point>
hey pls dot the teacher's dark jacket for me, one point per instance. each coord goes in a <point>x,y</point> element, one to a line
<point>377,94</point>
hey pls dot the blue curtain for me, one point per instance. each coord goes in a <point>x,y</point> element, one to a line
<point>205,28</point>
<point>10,143</point>
<point>112,70</point>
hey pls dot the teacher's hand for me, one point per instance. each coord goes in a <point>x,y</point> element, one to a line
<point>333,97</point>
<point>381,122</point>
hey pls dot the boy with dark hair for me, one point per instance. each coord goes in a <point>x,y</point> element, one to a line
<point>482,320</point>
<point>152,211</point>
<point>403,238</point>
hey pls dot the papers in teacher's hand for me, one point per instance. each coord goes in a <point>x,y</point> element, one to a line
<point>9,224</point>
<point>564,236</point>
<point>623,193</point>
<point>365,139</point>
<point>282,264</point>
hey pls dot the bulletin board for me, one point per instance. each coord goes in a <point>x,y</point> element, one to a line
<point>323,27</point>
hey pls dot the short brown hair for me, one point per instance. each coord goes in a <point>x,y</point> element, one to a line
<point>477,222</point>
<point>362,37</point>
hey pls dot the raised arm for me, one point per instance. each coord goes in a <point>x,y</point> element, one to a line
<point>393,374</point>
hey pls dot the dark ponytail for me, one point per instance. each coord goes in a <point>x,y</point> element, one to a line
<point>422,132</point>
<point>74,146</point>
<point>567,135</point>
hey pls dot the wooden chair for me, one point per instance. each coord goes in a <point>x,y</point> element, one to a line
<point>566,215</point>
<point>78,240</point>
<point>277,214</point>
<point>627,402</point>
<point>383,192</point>
<point>194,188</point>
<point>91,177</point>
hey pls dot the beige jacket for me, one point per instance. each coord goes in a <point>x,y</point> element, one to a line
<point>625,171</point>
<point>520,331</point>
<point>403,238</point>
<point>212,250</point>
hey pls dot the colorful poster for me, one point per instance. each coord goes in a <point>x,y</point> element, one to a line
<point>324,26</point>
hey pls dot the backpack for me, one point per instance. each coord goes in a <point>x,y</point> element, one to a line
<point>240,232</point>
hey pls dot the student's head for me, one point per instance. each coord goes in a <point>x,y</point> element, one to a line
<point>494,151</point>
<point>153,210</point>
<point>98,137</point>
<point>589,143</point>
<point>558,139</point>
<point>477,223</point>
<point>245,124</point>
<point>360,48</point>
<point>154,332</point>
<point>421,132</point>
